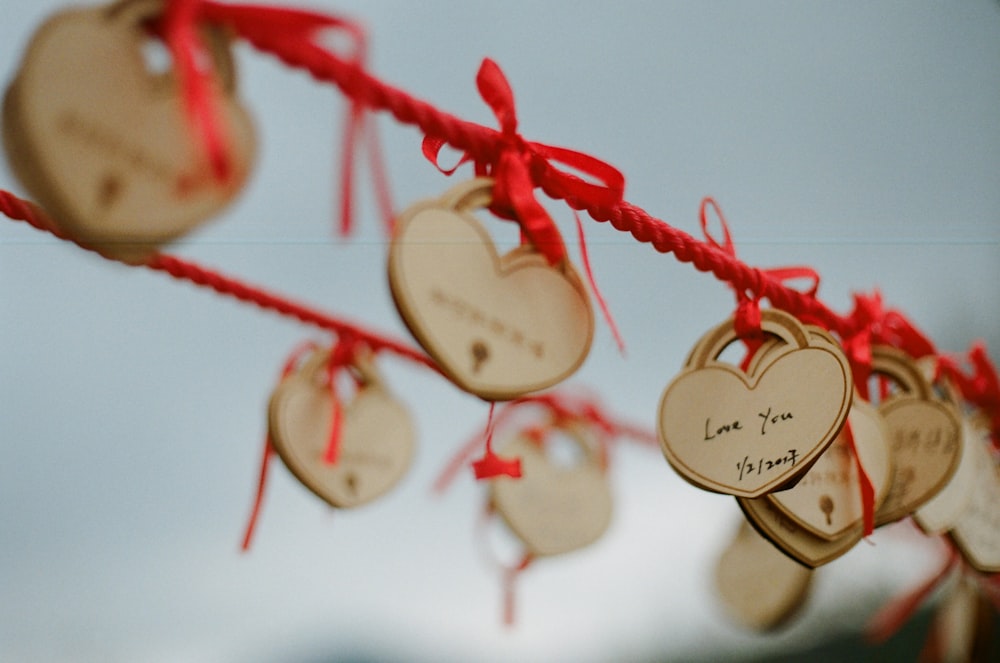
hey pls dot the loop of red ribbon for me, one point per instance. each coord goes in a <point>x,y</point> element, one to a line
<point>292,26</point>
<point>519,166</point>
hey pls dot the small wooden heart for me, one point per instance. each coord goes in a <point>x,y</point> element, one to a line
<point>552,509</point>
<point>499,327</point>
<point>376,437</point>
<point>977,529</point>
<point>747,434</point>
<point>758,584</point>
<point>925,434</point>
<point>104,144</point>
<point>942,512</point>
<point>827,500</point>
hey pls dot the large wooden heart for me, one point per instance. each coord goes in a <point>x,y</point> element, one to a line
<point>552,509</point>
<point>376,438</point>
<point>499,327</point>
<point>103,143</point>
<point>827,500</point>
<point>747,434</point>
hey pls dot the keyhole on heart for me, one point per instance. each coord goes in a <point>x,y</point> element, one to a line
<point>108,191</point>
<point>480,353</point>
<point>826,506</point>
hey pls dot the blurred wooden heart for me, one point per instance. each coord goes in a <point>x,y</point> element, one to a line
<point>977,528</point>
<point>499,327</point>
<point>941,512</point>
<point>827,500</point>
<point>748,434</point>
<point>104,144</point>
<point>552,509</point>
<point>758,584</point>
<point>376,442</point>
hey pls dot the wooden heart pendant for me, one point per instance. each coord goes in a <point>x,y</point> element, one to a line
<point>925,433</point>
<point>748,433</point>
<point>376,437</point>
<point>977,528</point>
<point>827,500</point>
<point>499,326</point>
<point>759,585</point>
<point>104,144</point>
<point>553,509</point>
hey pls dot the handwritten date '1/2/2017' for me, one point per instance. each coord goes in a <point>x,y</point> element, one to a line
<point>747,466</point>
<point>768,419</point>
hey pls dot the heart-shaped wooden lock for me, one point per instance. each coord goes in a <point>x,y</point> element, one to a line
<point>747,434</point>
<point>758,584</point>
<point>103,143</point>
<point>553,509</point>
<point>977,528</point>
<point>925,434</point>
<point>942,512</point>
<point>827,499</point>
<point>793,539</point>
<point>499,326</point>
<point>376,435</point>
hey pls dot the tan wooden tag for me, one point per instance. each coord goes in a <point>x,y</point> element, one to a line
<point>759,585</point>
<point>499,326</point>
<point>747,434</point>
<point>553,509</point>
<point>962,624</point>
<point>376,439</point>
<point>103,143</point>
<point>941,512</point>
<point>827,500</point>
<point>977,529</point>
<point>925,433</point>
<point>794,540</point>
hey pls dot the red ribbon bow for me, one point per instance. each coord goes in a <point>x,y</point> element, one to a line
<point>518,166</point>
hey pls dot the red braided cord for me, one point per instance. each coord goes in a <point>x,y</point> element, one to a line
<point>484,144</point>
<point>23,210</point>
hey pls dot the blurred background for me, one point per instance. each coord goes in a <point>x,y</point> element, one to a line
<point>858,138</point>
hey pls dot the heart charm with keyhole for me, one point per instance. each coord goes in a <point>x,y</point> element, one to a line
<point>553,509</point>
<point>748,433</point>
<point>925,433</point>
<point>499,326</point>
<point>104,144</point>
<point>376,436</point>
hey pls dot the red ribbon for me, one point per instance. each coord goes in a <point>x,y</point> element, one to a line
<point>891,617</point>
<point>980,388</point>
<point>268,453</point>
<point>293,26</point>
<point>491,465</point>
<point>747,318</point>
<point>865,482</point>
<point>519,166</point>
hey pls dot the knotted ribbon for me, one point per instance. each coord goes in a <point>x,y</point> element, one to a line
<point>518,166</point>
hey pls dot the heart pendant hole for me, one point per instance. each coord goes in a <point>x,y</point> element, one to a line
<point>156,56</point>
<point>882,388</point>
<point>563,451</point>
<point>735,353</point>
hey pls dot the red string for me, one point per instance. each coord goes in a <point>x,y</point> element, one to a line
<point>891,617</point>
<point>491,465</point>
<point>865,484</point>
<point>619,341</point>
<point>510,576</point>
<point>293,359</point>
<point>981,388</point>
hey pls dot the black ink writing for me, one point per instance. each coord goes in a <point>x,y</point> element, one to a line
<point>749,467</point>
<point>711,432</point>
<point>768,418</point>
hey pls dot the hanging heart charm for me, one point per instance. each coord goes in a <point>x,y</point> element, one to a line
<point>553,509</point>
<point>499,326</point>
<point>748,433</point>
<point>376,435</point>
<point>103,143</point>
